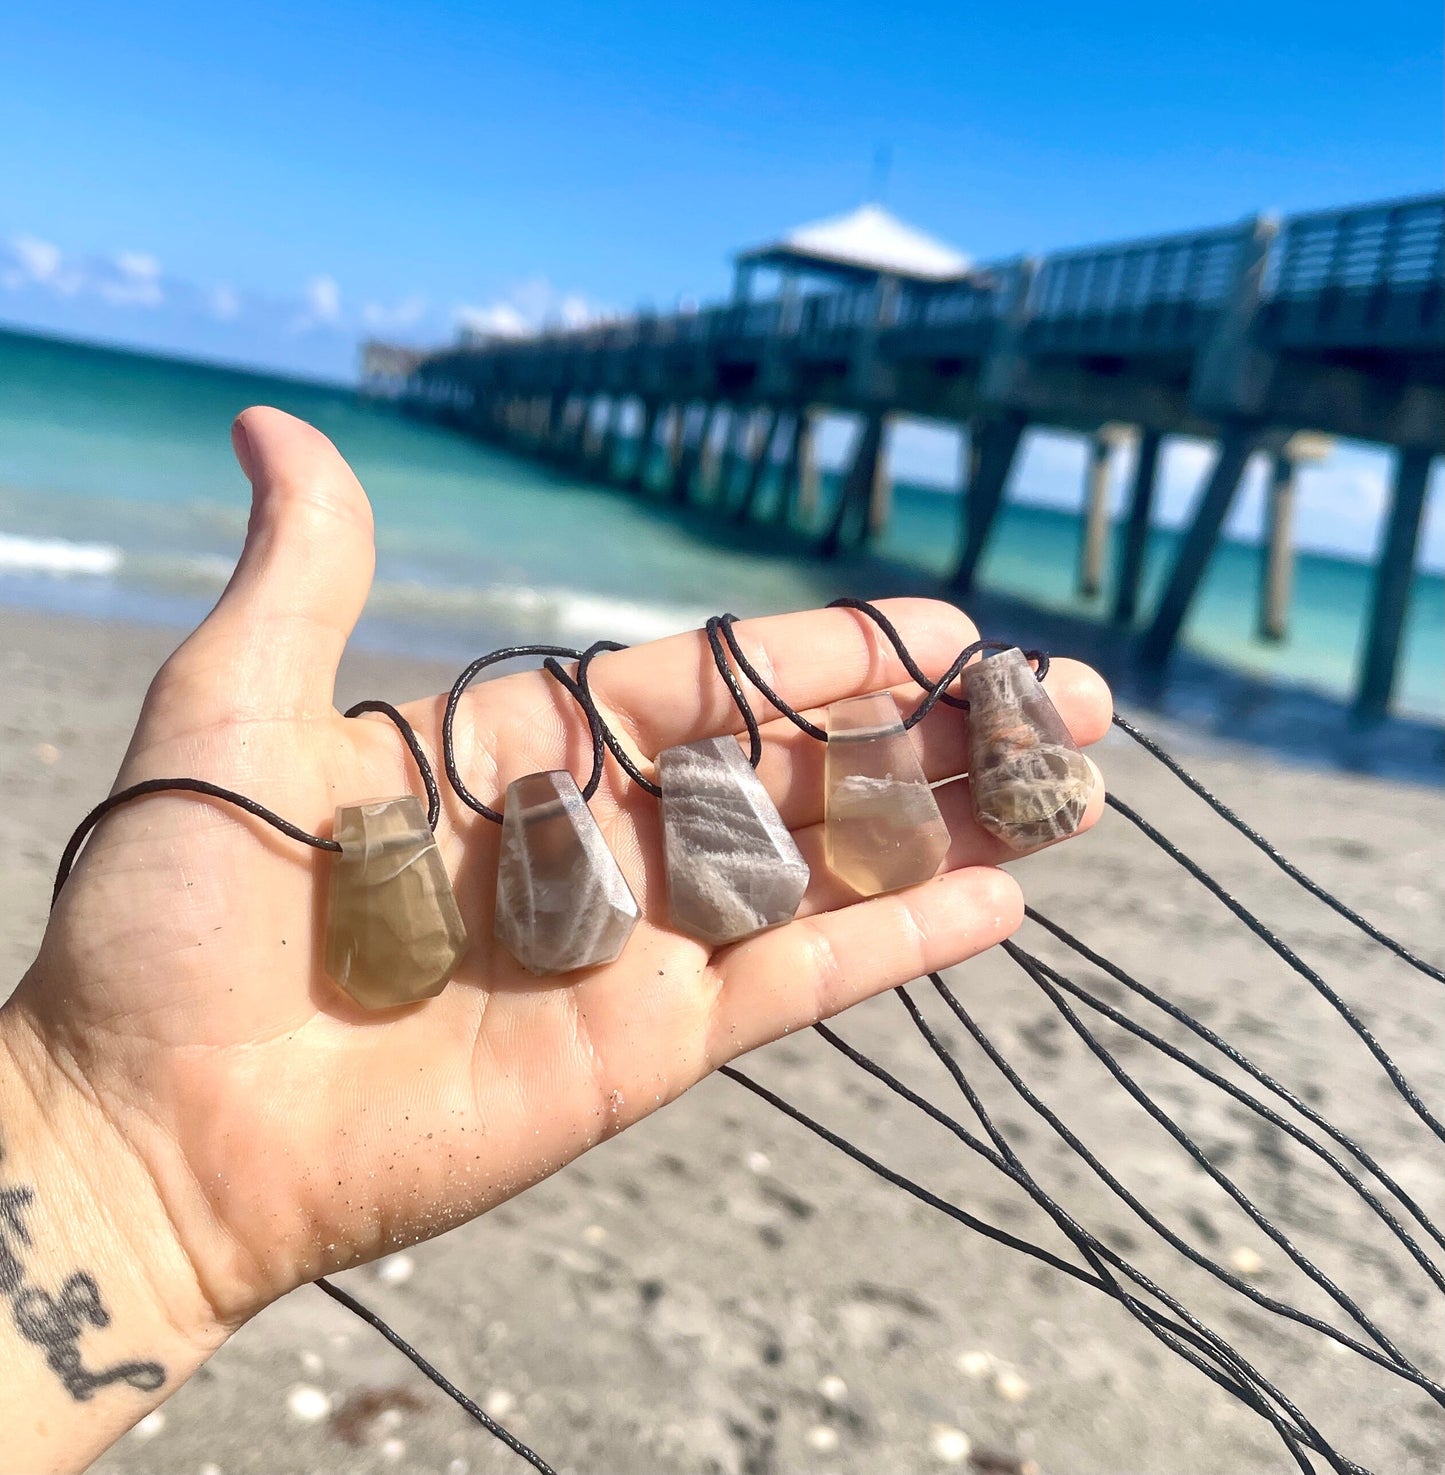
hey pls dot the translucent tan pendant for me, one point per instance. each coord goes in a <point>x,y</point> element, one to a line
<point>882,826</point>
<point>562,900</point>
<point>732,867</point>
<point>1029,782</point>
<point>393,932</point>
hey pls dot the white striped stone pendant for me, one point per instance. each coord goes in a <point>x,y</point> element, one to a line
<point>393,931</point>
<point>733,869</point>
<point>562,900</point>
<point>882,827</point>
<point>1029,782</point>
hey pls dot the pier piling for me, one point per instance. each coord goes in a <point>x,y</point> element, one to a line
<point>1134,534</point>
<point>1394,572</point>
<point>1094,545</point>
<point>1194,553</point>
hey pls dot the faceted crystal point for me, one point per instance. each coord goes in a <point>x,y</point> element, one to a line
<point>1030,784</point>
<point>394,933</point>
<point>732,867</point>
<point>562,901</point>
<point>882,829</point>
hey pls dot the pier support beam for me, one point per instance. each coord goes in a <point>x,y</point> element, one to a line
<point>1194,553</point>
<point>849,524</point>
<point>705,480</point>
<point>1394,573</point>
<point>1276,581</point>
<point>795,450</point>
<point>646,436</point>
<point>740,421</point>
<point>992,448</point>
<point>676,430</point>
<point>803,487</point>
<point>1276,572</point>
<point>763,431</point>
<point>606,457</point>
<point>690,453</point>
<point>1094,546</point>
<point>1134,535</point>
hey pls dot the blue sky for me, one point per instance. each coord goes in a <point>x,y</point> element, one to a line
<point>266,183</point>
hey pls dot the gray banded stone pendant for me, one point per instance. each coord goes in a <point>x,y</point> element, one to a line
<point>1030,784</point>
<point>732,867</point>
<point>562,900</point>
<point>882,826</point>
<point>393,931</point>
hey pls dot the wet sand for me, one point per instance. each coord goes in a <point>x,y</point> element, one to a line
<point>716,1290</point>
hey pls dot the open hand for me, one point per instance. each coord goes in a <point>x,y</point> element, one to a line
<point>179,1006</point>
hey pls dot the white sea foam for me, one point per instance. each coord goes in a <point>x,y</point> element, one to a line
<point>58,556</point>
<point>546,613</point>
<point>540,612</point>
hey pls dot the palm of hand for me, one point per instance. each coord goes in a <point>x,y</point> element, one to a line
<point>290,1133</point>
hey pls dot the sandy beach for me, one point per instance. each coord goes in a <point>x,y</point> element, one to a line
<point>718,1291</point>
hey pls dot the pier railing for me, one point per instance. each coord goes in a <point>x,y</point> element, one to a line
<point>1369,277</point>
<point>1366,278</point>
<point>1158,295</point>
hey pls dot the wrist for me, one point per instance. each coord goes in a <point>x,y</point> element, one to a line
<point>101,1314</point>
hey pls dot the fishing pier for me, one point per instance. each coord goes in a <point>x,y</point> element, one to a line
<point>1264,337</point>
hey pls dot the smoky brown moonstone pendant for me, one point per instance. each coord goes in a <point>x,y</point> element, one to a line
<point>733,868</point>
<point>882,827</point>
<point>562,900</point>
<point>1029,782</point>
<point>393,934</point>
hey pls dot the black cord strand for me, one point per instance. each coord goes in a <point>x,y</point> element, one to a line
<point>935,690</point>
<point>1395,1363</point>
<point>1041,975</point>
<point>734,688</point>
<point>1237,1057</point>
<point>1283,950</point>
<point>1005,1160</point>
<point>176,786</point>
<point>454,698</point>
<point>1262,1110</point>
<point>436,1376</point>
<point>989,1231</point>
<point>418,753</point>
<point>1256,839</point>
<point>614,744</point>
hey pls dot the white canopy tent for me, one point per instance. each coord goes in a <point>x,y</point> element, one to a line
<point>863,246</point>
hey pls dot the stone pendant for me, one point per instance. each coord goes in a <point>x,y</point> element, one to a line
<point>562,901</point>
<point>393,933</point>
<point>882,826</point>
<point>1029,782</point>
<point>732,867</point>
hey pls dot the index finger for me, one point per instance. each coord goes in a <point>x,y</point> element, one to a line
<point>669,691</point>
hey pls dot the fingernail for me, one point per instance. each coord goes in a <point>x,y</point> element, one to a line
<point>241,445</point>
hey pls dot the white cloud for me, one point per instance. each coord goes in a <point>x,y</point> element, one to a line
<point>132,280</point>
<point>527,308</point>
<point>321,305</point>
<point>499,320</point>
<point>224,304</point>
<point>28,261</point>
<point>405,314</point>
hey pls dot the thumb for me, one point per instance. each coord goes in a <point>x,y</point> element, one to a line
<point>277,633</point>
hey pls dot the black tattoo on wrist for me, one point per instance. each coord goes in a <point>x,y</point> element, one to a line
<point>54,1321</point>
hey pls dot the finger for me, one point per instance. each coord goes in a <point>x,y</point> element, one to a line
<point>818,966</point>
<point>277,633</point>
<point>669,691</point>
<point>792,764</point>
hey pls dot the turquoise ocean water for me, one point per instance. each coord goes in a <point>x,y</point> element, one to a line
<point>119,498</point>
